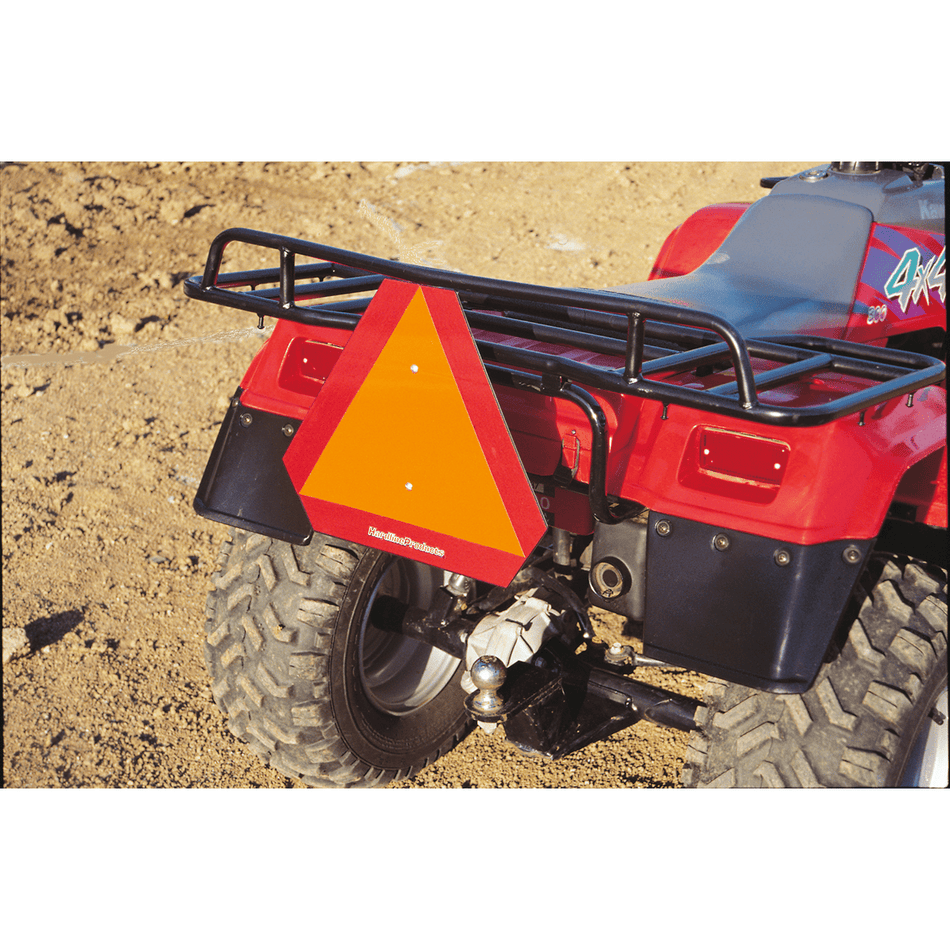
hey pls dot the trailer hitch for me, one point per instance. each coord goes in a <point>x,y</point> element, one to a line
<point>560,702</point>
<point>452,618</point>
<point>551,699</point>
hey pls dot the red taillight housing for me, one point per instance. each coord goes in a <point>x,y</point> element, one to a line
<point>741,457</point>
<point>734,464</point>
<point>307,364</point>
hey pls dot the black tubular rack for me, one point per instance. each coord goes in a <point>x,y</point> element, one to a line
<point>652,337</point>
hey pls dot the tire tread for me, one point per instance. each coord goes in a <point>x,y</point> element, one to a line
<point>855,722</point>
<point>270,619</point>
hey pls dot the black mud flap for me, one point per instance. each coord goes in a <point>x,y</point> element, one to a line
<point>245,483</point>
<point>748,609</point>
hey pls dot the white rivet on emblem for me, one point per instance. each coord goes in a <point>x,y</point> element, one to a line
<point>414,368</point>
<point>408,486</point>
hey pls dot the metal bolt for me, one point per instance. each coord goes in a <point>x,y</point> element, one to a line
<point>783,558</point>
<point>457,585</point>
<point>619,655</point>
<point>663,528</point>
<point>288,430</point>
<point>413,368</point>
<point>721,542</point>
<point>851,554</point>
<point>246,419</point>
<point>408,486</point>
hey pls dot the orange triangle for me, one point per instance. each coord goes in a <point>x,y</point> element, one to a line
<point>406,448</point>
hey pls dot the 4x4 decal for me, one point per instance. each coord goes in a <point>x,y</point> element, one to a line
<point>909,280</point>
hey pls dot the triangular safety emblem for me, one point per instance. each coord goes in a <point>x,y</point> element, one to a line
<point>405,447</point>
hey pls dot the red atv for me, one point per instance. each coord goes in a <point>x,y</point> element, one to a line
<point>432,477</point>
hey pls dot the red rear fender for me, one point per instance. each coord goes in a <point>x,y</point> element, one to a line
<point>695,239</point>
<point>830,482</point>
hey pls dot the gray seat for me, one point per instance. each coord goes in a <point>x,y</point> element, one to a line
<point>790,265</point>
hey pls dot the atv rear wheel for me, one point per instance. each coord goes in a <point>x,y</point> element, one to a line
<point>876,715</point>
<point>305,678</point>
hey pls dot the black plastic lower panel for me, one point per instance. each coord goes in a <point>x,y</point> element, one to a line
<point>245,483</point>
<point>750,610</point>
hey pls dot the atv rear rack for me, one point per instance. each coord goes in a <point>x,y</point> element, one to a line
<point>653,338</point>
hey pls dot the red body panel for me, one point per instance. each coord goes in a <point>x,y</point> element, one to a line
<point>924,487</point>
<point>695,239</point>
<point>901,288</point>
<point>275,382</point>
<point>838,481</point>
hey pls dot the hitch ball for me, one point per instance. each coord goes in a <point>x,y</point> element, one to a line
<point>488,675</point>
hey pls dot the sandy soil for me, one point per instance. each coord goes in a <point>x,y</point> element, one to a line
<point>113,387</point>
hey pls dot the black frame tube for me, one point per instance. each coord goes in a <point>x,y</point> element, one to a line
<point>634,350</point>
<point>588,404</point>
<point>657,704</point>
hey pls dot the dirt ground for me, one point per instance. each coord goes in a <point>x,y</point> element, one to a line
<point>114,385</point>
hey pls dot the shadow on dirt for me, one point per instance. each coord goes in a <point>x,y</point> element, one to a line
<point>47,630</point>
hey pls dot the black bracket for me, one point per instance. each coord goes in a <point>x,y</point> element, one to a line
<point>569,702</point>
